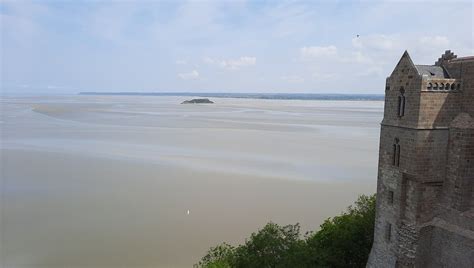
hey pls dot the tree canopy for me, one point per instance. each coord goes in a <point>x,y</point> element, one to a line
<point>342,241</point>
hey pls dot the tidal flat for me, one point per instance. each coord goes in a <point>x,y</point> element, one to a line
<point>145,181</point>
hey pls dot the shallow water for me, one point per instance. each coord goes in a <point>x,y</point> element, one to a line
<point>106,181</point>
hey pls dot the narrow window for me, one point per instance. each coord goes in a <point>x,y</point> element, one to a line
<point>453,86</point>
<point>388,232</point>
<point>396,153</point>
<point>390,197</point>
<point>447,86</point>
<point>430,86</point>
<point>398,156</point>
<point>402,106</point>
<point>401,103</point>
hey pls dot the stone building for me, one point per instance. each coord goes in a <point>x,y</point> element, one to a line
<point>425,195</point>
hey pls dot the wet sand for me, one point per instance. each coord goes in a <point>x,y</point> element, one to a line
<point>94,181</point>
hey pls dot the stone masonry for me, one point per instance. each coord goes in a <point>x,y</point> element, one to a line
<point>425,186</point>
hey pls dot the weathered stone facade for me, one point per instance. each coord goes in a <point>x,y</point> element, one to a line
<point>425,187</point>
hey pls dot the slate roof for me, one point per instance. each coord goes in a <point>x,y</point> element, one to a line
<point>432,71</point>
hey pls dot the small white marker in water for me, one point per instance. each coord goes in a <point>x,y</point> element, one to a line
<point>187,212</point>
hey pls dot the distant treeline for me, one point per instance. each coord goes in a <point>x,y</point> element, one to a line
<point>273,96</point>
<point>342,241</point>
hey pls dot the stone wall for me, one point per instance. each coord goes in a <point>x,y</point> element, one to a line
<point>404,78</point>
<point>438,109</point>
<point>458,189</point>
<point>463,68</point>
<point>429,161</point>
<point>433,181</point>
<point>445,245</point>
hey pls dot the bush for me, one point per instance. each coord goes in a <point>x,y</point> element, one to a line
<point>342,241</point>
<point>345,240</point>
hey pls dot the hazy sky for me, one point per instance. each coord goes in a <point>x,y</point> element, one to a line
<point>233,46</point>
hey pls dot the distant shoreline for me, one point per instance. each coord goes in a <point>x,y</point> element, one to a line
<point>271,96</point>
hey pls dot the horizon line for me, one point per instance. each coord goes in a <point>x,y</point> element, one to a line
<point>210,92</point>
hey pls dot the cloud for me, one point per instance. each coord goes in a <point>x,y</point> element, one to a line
<point>142,43</point>
<point>318,75</point>
<point>316,51</point>
<point>377,41</point>
<point>193,75</point>
<point>181,62</point>
<point>375,71</point>
<point>357,57</point>
<point>293,78</point>
<point>232,64</point>
<point>384,45</point>
<point>437,41</point>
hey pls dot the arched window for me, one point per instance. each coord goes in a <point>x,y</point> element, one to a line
<point>401,102</point>
<point>447,86</point>
<point>396,153</point>
<point>441,86</point>
<point>435,86</point>
<point>453,86</point>
<point>430,86</point>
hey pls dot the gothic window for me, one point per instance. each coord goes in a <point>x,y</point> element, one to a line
<point>401,102</point>
<point>430,86</point>
<point>441,86</point>
<point>396,153</point>
<point>453,86</point>
<point>447,86</point>
<point>435,87</point>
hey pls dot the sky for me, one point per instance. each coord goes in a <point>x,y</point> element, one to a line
<point>222,46</point>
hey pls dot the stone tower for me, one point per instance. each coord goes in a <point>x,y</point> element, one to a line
<point>425,195</point>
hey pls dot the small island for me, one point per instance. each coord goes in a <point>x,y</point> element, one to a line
<point>197,101</point>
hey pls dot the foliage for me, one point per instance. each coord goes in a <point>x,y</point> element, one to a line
<point>218,257</point>
<point>342,241</point>
<point>272,246</point>
<point>345,240</point>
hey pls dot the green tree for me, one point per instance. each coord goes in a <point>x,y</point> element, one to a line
<point>342,241</point>
<point>345,240</point>
<point>272,246</point>
<point>218,257</point>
